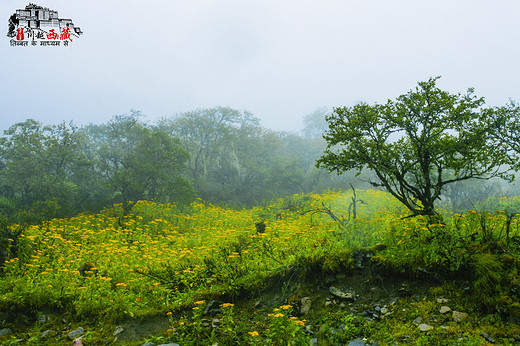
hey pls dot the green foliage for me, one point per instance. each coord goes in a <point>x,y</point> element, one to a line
<point>444,138</point>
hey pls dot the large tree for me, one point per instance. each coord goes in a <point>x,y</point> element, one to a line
<point>415,145</point>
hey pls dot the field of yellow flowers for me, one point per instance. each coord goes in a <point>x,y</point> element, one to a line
<point>165,260</point>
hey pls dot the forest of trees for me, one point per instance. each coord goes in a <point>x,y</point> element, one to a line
<point>221,155</point>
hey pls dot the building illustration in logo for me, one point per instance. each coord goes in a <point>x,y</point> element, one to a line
<point>40,23</point>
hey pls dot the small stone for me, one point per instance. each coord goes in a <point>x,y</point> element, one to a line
<point>42,318</point>
<point>305,305</point>
<point>5,331</point>
<point>118,330</point>
<point>424,327</point>
<point>444,309</point>
<point>77,342</point>
<point>327,302</point>
<point>314,341</point>
<point>487,337</point>
<point>75,333</point>
<point>417,321</point>
<point>149,344</point>
<point>356,343</point>
<point>48,332</point>
<point>459,316</point>
<point>215,322</point>
<point>341,293</point>
<point>442,300</point>
<point>384,311</point>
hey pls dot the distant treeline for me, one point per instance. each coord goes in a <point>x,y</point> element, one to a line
<point>221,155</point>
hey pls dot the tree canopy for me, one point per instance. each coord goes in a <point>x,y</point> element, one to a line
<point>417,144</point>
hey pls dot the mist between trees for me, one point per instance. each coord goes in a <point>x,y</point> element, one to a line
<point>221,155</point>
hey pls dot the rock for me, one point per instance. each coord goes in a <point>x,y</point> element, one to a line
<point>305,305</point>
<point>42,318</point>
<point>356,342</point>
<point>442,300</point>
<point>170,344</point>
<point>341,293</point>
<point>377,308</point>
<point>459,316</point>
<point>417,321</point>
<point>5,331</point>
<point>444,309</point>
<point>149,344</point>
<point>77,342</point>
<point>48,332</point>
<point>314,341</point>
<point>487,337</point>
<point>384,310</point>
<point>118,330</point>
<point>424,327</point>
<point>75,333</point>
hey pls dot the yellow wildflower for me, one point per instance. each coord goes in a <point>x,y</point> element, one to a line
<point>253,333</point>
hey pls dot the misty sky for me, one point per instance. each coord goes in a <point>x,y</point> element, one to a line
<point>278,59</point>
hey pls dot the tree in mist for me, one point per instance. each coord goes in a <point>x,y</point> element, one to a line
<point>233,158</point>
<point>136,163</point>
<point>37,163</point>
<point>416,145</point>
<point>506,131</point>
<point>315,123</point>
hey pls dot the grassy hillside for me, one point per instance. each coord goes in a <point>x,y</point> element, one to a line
<point>205,274</point>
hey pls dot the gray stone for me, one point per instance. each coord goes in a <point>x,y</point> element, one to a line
<point>459,316</point>
<point>417,320</point>
<point>170,344</point>
<point>444,309</point>
<point>118,330</point>
<point>42,318</point>
<point>442,300</point>
<point>487,337</point>
<point>75,333</point>
<point>305,305</point>
<point>5,331</point>
<point>356,343</point>
<point>424,327</point>
<point>149,344</point>
<point>384,310</point>
<point>48,332</point>
<point>343,294</point>
<point>314,341</point>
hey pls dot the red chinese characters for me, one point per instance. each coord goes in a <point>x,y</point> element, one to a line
<point>65,34</point>
<point>52,35</point>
